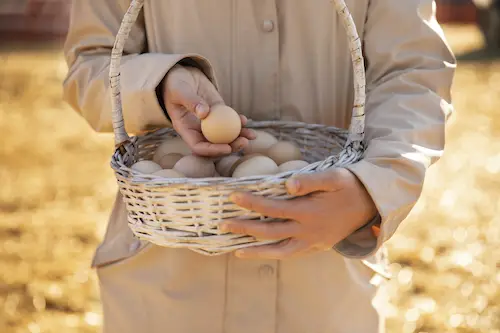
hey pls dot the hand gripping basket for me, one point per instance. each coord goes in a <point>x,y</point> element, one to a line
<point>186,212</point>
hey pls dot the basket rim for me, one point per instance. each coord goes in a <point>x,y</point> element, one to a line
<point>153,181</point>
<point>132,177</point>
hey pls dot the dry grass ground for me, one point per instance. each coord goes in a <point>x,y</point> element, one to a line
<point>56,190</point>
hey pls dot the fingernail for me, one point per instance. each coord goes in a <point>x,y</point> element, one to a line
<point>253,135</point>
<point>235,197</point>
<point>224,228</point>
<point>293,186</point>
<point>201,110</point>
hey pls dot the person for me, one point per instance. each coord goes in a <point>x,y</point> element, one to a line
<point>269,60</point>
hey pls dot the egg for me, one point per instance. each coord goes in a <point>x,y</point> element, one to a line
<point>241,160</point>
<point>284,151</point>
<point>223,166</point>
<point>292,165</point>
<point>169,173</point>
<point>146,167</point>
<point>171,146</point>
<point>256,166</point>
<point>168,161</point>
<point>195,167</point>
<point>260,144</point>
<point>222,125</point>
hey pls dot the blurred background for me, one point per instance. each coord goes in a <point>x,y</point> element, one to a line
<point>56,188</point>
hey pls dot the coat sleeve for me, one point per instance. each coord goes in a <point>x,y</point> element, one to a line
<point>94,25</point>
<point>410,70</point>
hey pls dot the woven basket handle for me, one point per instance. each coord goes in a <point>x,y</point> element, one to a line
<point>356,129</point>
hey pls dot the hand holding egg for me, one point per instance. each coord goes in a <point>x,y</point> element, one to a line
<point>198,113</point>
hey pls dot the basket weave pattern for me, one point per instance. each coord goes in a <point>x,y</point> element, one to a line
<point>186,212</point>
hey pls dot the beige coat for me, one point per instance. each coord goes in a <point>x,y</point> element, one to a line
<point>271,59</point>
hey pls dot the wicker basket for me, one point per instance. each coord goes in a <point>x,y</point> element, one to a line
<point>186,212</point>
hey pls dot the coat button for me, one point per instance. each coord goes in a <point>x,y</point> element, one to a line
<point>268,25</point>
<point>134,246</point>
<point>266,270</point>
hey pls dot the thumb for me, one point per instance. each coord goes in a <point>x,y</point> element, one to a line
<point>192,102</point>
<point>325,181</point>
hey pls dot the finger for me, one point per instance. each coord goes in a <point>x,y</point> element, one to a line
<point>197,143</point>
<point>261,229</point>
<point>248,133</point>
<point>285,249</point>
<point>188,98</point>
<point>208,149</point>
<point>276,208</point>
<point>244,120</point>
<point>238,144</point>
<point>326,181</point>
<point>206,89</point>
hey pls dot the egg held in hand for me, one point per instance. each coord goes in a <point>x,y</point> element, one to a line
<point>222,125</point>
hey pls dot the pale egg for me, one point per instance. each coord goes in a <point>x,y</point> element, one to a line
<point>256,166</point>
<point>241,160</point>
<point>223,166</point>
<point>168,161</point>
<point>169,173</point>
<point>146,167</point>
<point>284,151</point>
<point>171,146</point>
<point>292,165</point>
<point>260,144</point>
<point>195,167</point>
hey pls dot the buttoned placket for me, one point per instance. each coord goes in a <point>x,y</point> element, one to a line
<point>255,59</point>
<point>252,285</point>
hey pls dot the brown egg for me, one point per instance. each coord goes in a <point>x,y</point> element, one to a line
<point>224,165</point>
<point>284,151</point>
<point>195,167</point>
<point>256,166</point>
<point>168,161</point>
<point>146,167</point>
<point>171,146</point>
<point>260,144</point>
<point>222,125</point>
<point>169,173</point>
<point>292,165</point>
<point>241,160</point>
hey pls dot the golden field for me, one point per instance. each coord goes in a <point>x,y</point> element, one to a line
<point>56,191</point>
